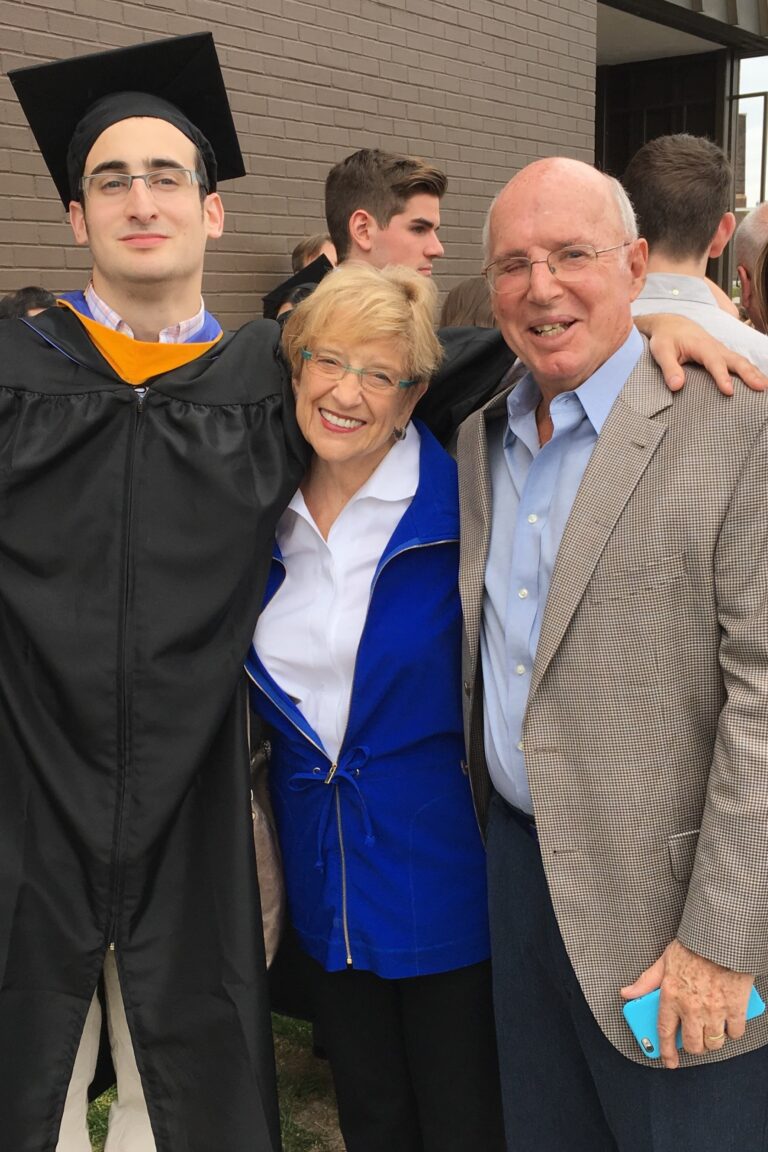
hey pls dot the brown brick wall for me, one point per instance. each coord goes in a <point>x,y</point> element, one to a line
<point>480,87</point>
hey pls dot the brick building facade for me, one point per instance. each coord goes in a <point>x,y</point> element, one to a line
<point>480,87</point>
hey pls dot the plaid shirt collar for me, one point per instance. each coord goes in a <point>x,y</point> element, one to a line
<point>179,333</point>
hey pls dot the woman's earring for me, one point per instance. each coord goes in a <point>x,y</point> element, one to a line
<point>398,433</point>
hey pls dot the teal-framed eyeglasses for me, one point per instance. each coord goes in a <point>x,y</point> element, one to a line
<point>160,182</point>
<point>330,367</point>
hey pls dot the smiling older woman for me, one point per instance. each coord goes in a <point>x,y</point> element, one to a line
<point>356,667</point>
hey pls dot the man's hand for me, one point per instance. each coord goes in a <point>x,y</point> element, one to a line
<point>709,1002</point>
<point>675,340</point>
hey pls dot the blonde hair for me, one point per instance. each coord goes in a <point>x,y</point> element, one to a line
<point>368,304</point>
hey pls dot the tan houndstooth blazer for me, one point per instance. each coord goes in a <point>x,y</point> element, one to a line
<point>646,732</point>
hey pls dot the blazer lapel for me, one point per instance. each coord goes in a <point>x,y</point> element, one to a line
<point>624,448</point>
<point>475,516</point>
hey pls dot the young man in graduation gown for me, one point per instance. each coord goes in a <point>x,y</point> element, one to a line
<point>144,459</point>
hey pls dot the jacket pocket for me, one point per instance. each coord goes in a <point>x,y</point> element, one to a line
<point>682,853</point>
<point>610,584</point>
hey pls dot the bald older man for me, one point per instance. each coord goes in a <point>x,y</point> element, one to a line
<point>749,241</point>
<point>615,588</point>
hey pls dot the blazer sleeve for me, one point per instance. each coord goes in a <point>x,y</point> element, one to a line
<point>725,917</point>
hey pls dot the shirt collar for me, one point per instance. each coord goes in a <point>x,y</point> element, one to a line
<point>179,333</point>
<point>673,286</point>
<point>596,395</point>
<point>396,478</point>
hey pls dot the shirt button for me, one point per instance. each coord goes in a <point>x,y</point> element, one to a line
<point>523,593</point>
<point>532,519</point>
<point>520,669</point>
<point>520,746</point>
<point>675,291</point>
<point>467,688</point>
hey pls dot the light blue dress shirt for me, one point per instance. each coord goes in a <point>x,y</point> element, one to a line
<point>534,487</point>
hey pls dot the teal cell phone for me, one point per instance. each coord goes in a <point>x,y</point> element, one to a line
<point>642,1014</point>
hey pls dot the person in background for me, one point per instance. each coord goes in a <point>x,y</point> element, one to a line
<point>383,208</point>
<point>294,297</point>
<point>680,187</point>
<point>311,259</point>
<point>310,248</point>
<point>722,299</point>
<point>356,672</point>
<point>468,305</point>
<point>760,283</point>
<point>749,241</point>
<point>26,302</point>
<point>299,282</point>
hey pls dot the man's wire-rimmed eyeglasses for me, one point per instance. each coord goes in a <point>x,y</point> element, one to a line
<point>513,273</point>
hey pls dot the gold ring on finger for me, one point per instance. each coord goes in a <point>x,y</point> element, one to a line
<point>715,1039</point>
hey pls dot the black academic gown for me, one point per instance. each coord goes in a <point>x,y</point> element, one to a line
<point>475,363</point>
<point>135,537</point>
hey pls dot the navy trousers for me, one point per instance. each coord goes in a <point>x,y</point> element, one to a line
<point>565,1088</point>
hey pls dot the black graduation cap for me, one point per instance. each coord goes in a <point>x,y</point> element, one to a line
<point>69,103</point>
<point>312,273</point>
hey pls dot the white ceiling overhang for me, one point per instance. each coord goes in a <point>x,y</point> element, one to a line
<point>630,30</point>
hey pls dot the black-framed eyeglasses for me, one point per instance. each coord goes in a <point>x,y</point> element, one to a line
<point>328,366</point>
<point>512,273</point>
<point>160,182</point>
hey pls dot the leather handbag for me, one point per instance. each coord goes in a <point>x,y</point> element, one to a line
<point>269,864</point>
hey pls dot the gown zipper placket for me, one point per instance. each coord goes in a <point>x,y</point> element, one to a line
<point>124,732</point>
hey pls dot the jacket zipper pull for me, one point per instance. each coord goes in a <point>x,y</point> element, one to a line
<point>331,774</point>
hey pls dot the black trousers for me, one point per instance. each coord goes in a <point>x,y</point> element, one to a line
<point>565,1087</point>
<point>413,1060</point>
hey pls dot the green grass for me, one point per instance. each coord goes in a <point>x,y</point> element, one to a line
<point>98,1117</point>
<point>307,1103</point>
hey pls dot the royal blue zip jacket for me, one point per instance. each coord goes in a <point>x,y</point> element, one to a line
<point>384,864</point>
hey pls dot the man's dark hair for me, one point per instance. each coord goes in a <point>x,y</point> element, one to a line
<point>381,183</point>
<point>308,250</point>
<point>21,302</point>
<point>202,174</point>
<point>680,187</point>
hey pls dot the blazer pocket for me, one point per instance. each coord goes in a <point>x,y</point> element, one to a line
<point>612,584</point>
<point>682,853</point>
